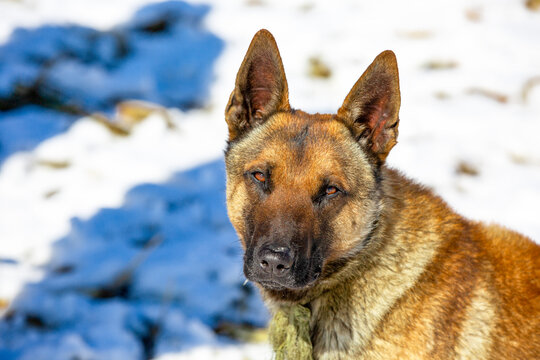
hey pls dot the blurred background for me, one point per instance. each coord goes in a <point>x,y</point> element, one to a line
<point>114,237</point>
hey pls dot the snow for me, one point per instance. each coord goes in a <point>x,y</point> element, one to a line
<point>16,135</point>
<point>92,70</point>
<point>118,246</point>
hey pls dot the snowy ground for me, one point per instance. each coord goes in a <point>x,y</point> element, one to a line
<point>114,239</point>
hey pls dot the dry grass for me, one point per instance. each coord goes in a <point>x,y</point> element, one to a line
<point>465,168</point>
<point>533,5</point>
<point>318,69</point>
<point>493,95</point>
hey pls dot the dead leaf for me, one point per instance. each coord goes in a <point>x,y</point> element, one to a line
<point>528,86</point>
<point>524,159</point>
<point>131,112</point>
<point>307,7</point>
<point>533,5</point>
<point>500,98</point>
<point>440,65</point>
<point>49,194</point>
<point>474,14</point>
<point>466,168</point>
<point>416,34</point>
<point>116,129</point>
<point>255,3</point>
<point>318,69</point>
<point>442,95</point>
<point>54,164</point>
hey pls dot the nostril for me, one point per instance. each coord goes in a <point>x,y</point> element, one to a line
<point>275,260</point>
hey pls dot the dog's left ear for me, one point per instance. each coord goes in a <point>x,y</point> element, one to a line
<point>261,87</point>
<point>371,110</point>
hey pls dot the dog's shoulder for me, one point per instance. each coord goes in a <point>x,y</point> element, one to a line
<point>516,260</point>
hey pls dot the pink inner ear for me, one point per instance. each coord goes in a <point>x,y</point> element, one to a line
<point>260,97</point>
<point>377,117</point>
<point>262,85</point>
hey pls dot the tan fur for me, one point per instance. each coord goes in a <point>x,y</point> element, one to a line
<point>403,276</point>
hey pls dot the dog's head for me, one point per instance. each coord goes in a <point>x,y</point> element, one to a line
<point>302,189</point>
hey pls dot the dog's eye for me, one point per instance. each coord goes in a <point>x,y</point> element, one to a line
<point>325,193</point>
<point>331,191</point>
<point>259,176</point>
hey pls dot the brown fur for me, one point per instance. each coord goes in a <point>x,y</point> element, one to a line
<point>388,270</point>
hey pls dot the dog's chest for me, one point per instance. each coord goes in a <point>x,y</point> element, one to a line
<point>334,330</point>
<point>346,324</point>
<point>338,334</point>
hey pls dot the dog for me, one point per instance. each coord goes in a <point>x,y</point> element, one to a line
<point>386,268</point>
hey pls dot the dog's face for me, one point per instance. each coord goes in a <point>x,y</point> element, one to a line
<point>302,190</point>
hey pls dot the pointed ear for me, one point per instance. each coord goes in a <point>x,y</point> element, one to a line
<point>260,89</point>
<point>371,110</point>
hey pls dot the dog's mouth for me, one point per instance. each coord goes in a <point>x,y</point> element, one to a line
<point>280,293</point>
<point>271,284</point>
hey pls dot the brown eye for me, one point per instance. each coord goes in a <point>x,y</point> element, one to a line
<point>259,176</point>
<point>331,190</point>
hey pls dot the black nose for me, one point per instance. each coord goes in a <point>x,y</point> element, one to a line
<point>276,260</point>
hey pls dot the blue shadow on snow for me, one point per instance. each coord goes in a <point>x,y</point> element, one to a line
<point>154,276</point>
<point>52,75</point>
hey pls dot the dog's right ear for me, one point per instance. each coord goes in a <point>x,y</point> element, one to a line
<point>261,87</point>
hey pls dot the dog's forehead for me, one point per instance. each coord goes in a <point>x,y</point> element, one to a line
<point>295,144</point>
<point>298,129</point>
